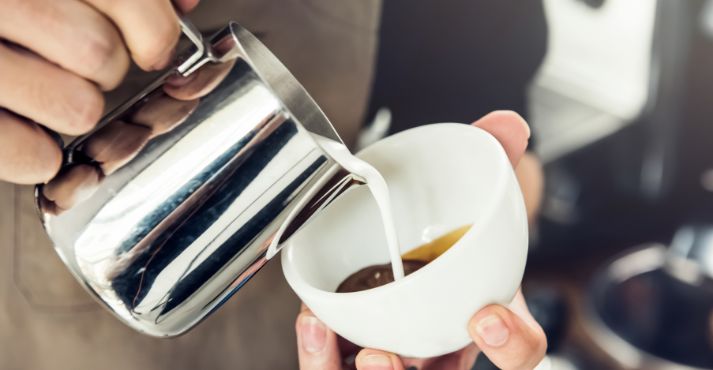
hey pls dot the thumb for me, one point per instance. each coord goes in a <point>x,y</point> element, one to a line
<point>510,338</point>
<point>316,345</point>
<point>510,129</point>
<point>371,359</point>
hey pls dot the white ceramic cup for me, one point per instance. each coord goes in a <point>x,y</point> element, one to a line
<point>440,177</point>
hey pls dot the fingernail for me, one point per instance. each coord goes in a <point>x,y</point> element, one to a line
<point>377,362</point>
<point>493,331</point>
<point>313,334</point>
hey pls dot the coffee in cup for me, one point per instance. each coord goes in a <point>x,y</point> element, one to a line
<point>378,275</point>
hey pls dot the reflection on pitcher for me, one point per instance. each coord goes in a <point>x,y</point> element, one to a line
<point>115,144</point>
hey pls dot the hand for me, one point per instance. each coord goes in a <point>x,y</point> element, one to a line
<point>509,336</point>
<point>118,142</point>
<point>56,58</point>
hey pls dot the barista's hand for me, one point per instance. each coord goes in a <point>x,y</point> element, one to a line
<point>56,58</point>
<point>509,336</point>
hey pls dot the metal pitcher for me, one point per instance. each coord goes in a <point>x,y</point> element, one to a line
<point>184,192</point>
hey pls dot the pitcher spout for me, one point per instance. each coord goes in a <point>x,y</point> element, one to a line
<point>328,188</point>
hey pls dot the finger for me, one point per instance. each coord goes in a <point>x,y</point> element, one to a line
<point>467,357</point>
<point>519,307</point>
<point>510,129</point>
<point>69,33</point>
<point>150,29</point>
<point>347,349</point>
<point>185,6</point>
<point>509,341</point>
<point>371,359</point>
<point>316,345</point>
<point>531,178</point>
<point>47,94</point>
<point>28,155</point>
<point>461,360</point>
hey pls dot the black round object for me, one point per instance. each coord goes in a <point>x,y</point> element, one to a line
<point>655,312</point>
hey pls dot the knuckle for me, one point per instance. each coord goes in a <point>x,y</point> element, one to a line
<point>96,51</point>
<point>41,169</point>
<point>116,76</point>
<point>83,109</point>
<point>91,110</point>
<point>29,155</point>
<point>152,51</point>
<point>51,164</point>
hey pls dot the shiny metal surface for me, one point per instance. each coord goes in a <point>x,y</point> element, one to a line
<point>645,318</point>
<point>690,257</point>
<point>171,204</point>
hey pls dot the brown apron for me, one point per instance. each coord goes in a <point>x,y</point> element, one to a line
<point>47,321</point>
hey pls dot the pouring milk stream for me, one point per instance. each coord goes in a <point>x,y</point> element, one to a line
<point>379,190</point>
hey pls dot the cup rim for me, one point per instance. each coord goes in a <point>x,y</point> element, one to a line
<point>294,277</point>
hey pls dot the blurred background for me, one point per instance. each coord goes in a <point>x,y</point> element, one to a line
<point>618,94</point>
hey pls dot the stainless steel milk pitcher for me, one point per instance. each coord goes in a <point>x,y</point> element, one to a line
<point>172,203</point>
